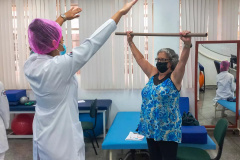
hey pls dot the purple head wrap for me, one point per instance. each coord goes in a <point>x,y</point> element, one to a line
<point>44,35</point>
<point>224,66</point>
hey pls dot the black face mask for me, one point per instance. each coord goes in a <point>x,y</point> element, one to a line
<point>162,66</point>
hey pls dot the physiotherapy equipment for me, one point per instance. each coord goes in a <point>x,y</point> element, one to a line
<point>164,34</point>
<point>22,124</point>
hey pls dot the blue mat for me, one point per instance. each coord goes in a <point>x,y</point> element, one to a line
<point>125,122</point>
<point>229,105</point>
<point>102,104</point>
<point>183,104</point>
<point>194,134</point>
<point>15,95</point>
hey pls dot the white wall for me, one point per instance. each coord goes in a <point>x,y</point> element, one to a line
<point>166,20</point>
<point>122,100</point>
<point>206,58</point>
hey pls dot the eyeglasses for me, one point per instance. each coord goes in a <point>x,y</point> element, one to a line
<point>161,60</point>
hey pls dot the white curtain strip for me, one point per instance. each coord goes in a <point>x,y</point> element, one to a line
<point>69,30</point>
<point>129,53</point>
<point>213,20</point>
<point>113,66</point>
<point>196,16</point>
<point>62,10</point>
<point>136,20</point>
<point>142,41</point>
<point>7,66</point>
<point>229,19</point>
<point>21,44</point>
<point>118,47</point>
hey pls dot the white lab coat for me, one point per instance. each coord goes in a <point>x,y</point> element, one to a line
<point>4,119</point>
<point>57,131</point>
<point>226,86</point>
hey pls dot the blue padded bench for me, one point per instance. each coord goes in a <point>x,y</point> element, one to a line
<point>125,122</point>
<point>229,105</point>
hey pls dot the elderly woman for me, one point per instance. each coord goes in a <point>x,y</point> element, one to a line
<point>225,83</point>
<point>160,118</point>
<point>57,131</point>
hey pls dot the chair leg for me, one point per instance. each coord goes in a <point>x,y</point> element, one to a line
<point>92,142</point>
<point>95,138</point>
<point>223,112</point>
<point>216,110</point>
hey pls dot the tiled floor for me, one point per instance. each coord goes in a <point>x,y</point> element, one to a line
<point>21,149</point>
<point>206,110</point>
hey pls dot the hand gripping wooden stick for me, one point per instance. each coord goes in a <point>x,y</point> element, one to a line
<point>164,34</point>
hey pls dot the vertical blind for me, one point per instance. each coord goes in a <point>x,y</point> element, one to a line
<point>114,67</point>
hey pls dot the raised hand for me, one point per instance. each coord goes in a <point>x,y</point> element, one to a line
<point>73,13</point>
<point>117,16</point>
<point>186,40</point>
<point>129,37</point>
<point>127,7</point>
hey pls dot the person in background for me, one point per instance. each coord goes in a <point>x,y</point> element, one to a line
<point>57,131</point>
<point>226,84</point>
<point>4,121</point>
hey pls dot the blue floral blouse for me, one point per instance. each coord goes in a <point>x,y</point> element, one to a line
<point>160,117</point>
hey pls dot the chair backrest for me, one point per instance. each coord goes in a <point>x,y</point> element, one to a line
<point>219,134</point>
<point>93,109</point>
<point>217,65</point>
<point>201,68</point>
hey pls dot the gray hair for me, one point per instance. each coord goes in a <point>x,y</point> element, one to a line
<point>171,55</point>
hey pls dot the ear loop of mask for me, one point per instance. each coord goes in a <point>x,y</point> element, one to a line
<point>64,51</point>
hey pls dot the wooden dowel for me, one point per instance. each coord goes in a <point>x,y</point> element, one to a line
<point>164,34</point>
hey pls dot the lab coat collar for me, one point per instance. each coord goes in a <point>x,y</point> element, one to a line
<point>43,56</point>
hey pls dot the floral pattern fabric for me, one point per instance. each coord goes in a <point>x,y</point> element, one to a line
<point>160,117</point>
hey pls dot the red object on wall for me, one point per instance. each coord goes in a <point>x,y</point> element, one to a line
<point>22,124</point>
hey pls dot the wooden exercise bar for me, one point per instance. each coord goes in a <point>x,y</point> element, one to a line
<point>164,34</point>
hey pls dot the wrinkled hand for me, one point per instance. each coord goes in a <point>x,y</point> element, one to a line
<point>73,13</point>
<point>129,37</point>
<point>186,40</point>
<point>127,7</point>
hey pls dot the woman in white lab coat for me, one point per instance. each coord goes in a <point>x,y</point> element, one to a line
<point>225,83</point>
<point>4,121</point>
<point>57,131</point>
